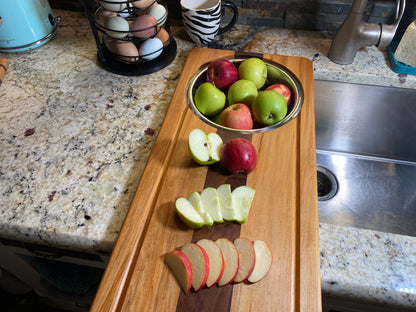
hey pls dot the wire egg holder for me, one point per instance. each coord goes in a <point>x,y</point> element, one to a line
<point>140,64</point>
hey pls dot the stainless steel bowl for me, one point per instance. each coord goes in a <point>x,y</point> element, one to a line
<point>276,74</point>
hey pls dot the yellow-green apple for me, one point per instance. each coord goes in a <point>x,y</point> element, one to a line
<point>188,214</point>
<point>238,156</point>
<point>209,100</point>
<point>264,259</point>
<point>181,268</point>
<point>242,91</point>
<point>253,69</point>
<point>211,204</point>
<point>269,107</point>
<point>231,261</point>
<point>237,116</point>
<point>196,201</point>
<point>226,202</point>
<point>283,90</point>
<point>242,199</point>
<point>247,258</point>
<point>199,262</point>
<point>204,148</point>
<point>216,260</point>
<point>222,73</point>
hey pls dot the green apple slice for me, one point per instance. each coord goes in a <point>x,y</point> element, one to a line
<point>196,201</point>
<point>204,148</point>
<point>188,214</point>
<point>242,197</point>
<point>211,204</point>
<point>226,202</point>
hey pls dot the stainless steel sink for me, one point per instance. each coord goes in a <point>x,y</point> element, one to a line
<point>366,156</point>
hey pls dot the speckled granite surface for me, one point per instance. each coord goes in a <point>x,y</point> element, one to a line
<point>74,140</point>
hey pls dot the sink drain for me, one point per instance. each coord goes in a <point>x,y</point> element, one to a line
<point>327,184</point>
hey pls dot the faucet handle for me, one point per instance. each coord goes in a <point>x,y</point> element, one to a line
<point>388,31</point>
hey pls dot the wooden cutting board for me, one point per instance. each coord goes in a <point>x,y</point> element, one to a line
<point>284,213</point>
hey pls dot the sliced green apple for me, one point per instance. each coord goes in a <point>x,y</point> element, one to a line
<point>226,202</point>
<point>188,214</point>
<point>211,204</point>
<point>204,148</point>
<point>196,201</point>
<point>242,198</point>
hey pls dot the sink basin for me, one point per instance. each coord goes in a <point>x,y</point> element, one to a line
<point>366,156</point>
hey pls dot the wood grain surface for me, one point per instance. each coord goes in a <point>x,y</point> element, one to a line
<point>284,213</point>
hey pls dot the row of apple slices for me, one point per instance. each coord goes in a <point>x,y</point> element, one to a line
<point>219,263</point>
<point>215,205</point>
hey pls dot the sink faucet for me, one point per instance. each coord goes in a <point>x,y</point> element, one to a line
<point>354,34</point>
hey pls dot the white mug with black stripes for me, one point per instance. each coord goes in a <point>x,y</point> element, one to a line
<point>201,19</point>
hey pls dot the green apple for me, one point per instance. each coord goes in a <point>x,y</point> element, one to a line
<point>242,199</point>
<point>209,100</point>
<point>211,204</point>
<point>188,214</point>
<point>226,202</point>
<point>196,201</point>
<point>204,148</point>
<point>269,107</point>
<point>242,91</point>
<point>253,69</point>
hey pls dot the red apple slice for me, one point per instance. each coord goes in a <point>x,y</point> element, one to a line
<point>263,263</point>
<point>180,266</point>
<point>216,260</point>
<point>231,261</point>
<point>199,263</point>
<point>247,258</point>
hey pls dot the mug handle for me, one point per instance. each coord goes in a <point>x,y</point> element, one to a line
<point>233,7</point>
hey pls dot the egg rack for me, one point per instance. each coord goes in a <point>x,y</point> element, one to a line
<point>133,37</point>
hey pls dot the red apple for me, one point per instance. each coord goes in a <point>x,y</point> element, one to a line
<point>199,263</point>
<point>180,265</point>
<point>216,260</point>
<point>238,156</point>
<point>263,263</point>
<point>222,73</point>
<point>231,261</point>
<point>237,116</point>
<point>283,90</point>
<point>247,258</point>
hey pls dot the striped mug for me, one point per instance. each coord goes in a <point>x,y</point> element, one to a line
<point>201,19</point>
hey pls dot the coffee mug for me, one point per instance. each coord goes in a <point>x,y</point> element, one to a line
<point>201,19</point>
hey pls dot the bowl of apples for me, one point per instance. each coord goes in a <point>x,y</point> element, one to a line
<point>245,95</point>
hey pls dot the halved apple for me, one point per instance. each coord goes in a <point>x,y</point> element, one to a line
<point>199,263</point>
<point>216,260</point>
<point>247,258</point>
<point>196,201</point>
<point>242,199</point>
<point>263,263</point>
<point>204,148</point>
<point>181,268</point>
<point>188,214</point>
<point>231,261</point>
<point>211,204</point>
<point>226,202</point>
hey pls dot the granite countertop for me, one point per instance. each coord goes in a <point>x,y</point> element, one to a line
<point>75,140</point>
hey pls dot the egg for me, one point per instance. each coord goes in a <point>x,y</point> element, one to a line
<point>159,12</point>
<point>150,49</point>
<point>117,27</point>
<point>142,4</point>
<point>113,5</point>
<point>144,26</point>
<point>125,50</point>
<point>163,36</point>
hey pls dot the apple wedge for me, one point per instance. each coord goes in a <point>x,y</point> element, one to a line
<point>242,199</point>
<point>226,202</point>
<point>247,258</point>
<point>211,204</point>
<point>216,261</point>
<point>181,268</point>
<point>231,261</point>
<point>199,260</point>
<point>263,263</point>
<point>204,148</point>
<point>196,201</point>
<point>188,214</point>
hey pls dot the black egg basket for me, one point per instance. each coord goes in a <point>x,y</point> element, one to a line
<point>130,65</point>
